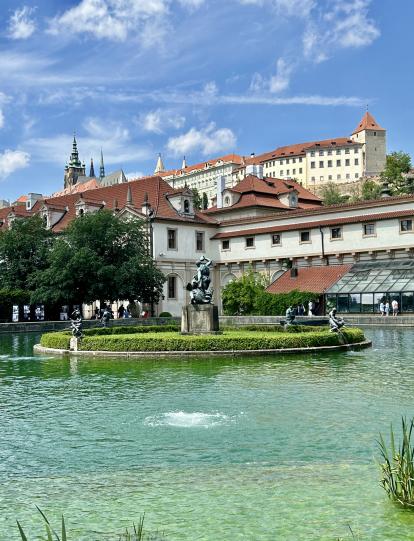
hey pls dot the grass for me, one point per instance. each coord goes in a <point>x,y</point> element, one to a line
<point>397,468</point>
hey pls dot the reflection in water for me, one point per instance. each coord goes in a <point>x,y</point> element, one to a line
<point>211,449</point>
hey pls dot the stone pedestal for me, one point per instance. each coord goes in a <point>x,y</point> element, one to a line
<point>73,345</point>
<point>200,319</point>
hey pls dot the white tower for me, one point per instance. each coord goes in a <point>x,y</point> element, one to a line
<point>373,137</point>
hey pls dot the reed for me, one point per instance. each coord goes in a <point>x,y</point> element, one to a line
<point>397,466</point>
<point>137,533</point>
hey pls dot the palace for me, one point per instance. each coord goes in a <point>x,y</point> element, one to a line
<point>342,160</point>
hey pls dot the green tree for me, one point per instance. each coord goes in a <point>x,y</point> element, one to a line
<point>99,256</point>
<point>24,249</point>
<point>205,201</point>
<point>197,201</point>
<point>396,164</point>
<point>331,194</point>
<point>369,189</point>
<point>239,296</point>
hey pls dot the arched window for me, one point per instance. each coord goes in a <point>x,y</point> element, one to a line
<point>227,201</point>
<point>186,206</point>
<point>81,212</point>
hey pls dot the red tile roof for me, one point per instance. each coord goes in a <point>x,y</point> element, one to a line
<point>78,188</point>
<point>368,122</point>
<point>313,279</point>
<point>300,226</point>
<point>228,158</point>
<point>300,149</point>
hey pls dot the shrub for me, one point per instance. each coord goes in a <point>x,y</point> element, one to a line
<point>275,328</point>
<point>165,314</point>
<point>98,331</point>
<point>276,304</point>
<point>398,466</point>
<point>56,340</point>
<point>230,341</point>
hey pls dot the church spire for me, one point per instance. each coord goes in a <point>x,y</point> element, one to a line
<point>92,170</point>
<point>74,157</point>
<point>159,168</point>
<point>184,164</point>
<point>102,167</point>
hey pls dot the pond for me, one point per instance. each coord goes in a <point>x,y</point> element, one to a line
<point>210,449</point>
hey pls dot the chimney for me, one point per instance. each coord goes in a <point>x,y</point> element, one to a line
<point>221,184</point>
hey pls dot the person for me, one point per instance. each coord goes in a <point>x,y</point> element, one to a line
<point>335,321</point>
<point>394,305</point>
<point>126,312</point>
<point>301,309</point>
<point>382,308</point>
<point>121,311</point>
<point>387,308</point>
<point>310,308</point>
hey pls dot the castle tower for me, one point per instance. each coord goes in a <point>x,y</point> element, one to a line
<point>373,137</point>
<point>159,168</point>
<point>74,168</point>
<point>92,170</point>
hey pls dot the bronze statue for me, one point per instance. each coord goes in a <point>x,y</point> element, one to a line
<point>290,316</point>
<point>76,323</point>
<point>199,288</point>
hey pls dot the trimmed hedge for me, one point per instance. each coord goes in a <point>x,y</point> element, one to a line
<point>275,328</point>
<point>99,331</point>
<point>56,340</point>
<point>231,340</point>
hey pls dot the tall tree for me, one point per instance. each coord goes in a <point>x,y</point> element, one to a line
<point>197,202</point>
<point>205,201</point>
<point>397,163</point>
<point>100,256</point>
<point>24,249</point>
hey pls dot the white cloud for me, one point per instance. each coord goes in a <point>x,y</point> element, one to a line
<point>114,138</point>
<point>285,8</point>
<point>159,120</point>
<point>208,141</point>
<point>344,25</point>
<point>281,80</point>
<point>134,175</point>
<point>12,160</point>
<point>191,4</point>
<point>21,23</point>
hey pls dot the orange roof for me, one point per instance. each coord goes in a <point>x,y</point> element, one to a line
<point>301,148</point>
<point>232,158</point>
<point>22,199</point>
<point>78,188</point>
<point>368,122</point>
<point>313,279</point>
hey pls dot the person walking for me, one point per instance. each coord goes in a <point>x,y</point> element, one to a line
<point>382,308</point>
<point>310,308</point>
<point>121,311</point>
<point>387,308</point>
<point>394,305</point>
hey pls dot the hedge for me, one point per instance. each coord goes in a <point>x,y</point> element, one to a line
<point>133,329</point>
<point>56,340</point>
<point>231,340</point>
<point>275,328</point>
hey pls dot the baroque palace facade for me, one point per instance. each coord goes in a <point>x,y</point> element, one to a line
<point>342,160</point>
<point>354,253</point>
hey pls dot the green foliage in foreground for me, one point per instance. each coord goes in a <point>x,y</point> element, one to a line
<point>135,329</point>
<point>137,533</point>
<point>397,468</point>
<point>229,341</point>
<point>248,296</point>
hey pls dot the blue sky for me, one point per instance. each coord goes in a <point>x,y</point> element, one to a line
<point>194,77</point>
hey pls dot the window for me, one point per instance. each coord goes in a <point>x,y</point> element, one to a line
<point>281,172</point>
<point>329,163</point>
<point>172,287</point>
<point>313,179</point>
<point>276,239</point>
<point>186,206</point>
<point>293,160</point>
<point>199,241</point>
<point>249,242</point>
<point>288,172</point>
<point>304,236</point>
<point>347,176</point>
<point>338,177</point>
<point>225,244</point>
<point>406,225</point>
<point>321,178</point>
<point>312,165</point>
<point>356,150</point>
<point>356,175</point>
<point>300,170</point>
<point>356,161</point>
<point>338,163</point>
<point>172,239</point>
<point>347,151</point>
<point>347,162</point>
<point>287,160</point>
<point>369,230</point>
<point>293,171</point>
<point>321,153</point>
<point>312,153</point>
<point>338,152</point>
<point>329,177</point>
<point>329,152</point>
<point>300,160</point>
<point>336,233</point>
<point>281,162</point>
<point>375,133</point>
<point>320,164</point>
<point>227,201</point>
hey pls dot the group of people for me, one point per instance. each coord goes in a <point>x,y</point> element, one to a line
<point>301,310</point>
<point>384,307</point>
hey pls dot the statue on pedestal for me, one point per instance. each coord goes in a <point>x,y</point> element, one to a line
<point>290,316</point>
<point>76,323</point>
<point>199,288</point>
<point>335,322</point>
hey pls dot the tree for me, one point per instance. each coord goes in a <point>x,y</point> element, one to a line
<point>197,202</point>
<point>24,249</point>
<point>100,256</point>
<point>366,191</point>
<point>239,296</point>
<point>396,164</point>
<point>205,201</point>
<point>331,194</point>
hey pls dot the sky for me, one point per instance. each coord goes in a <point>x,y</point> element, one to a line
<point>200,78</point>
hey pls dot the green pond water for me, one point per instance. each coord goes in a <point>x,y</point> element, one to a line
<point>272,448</point>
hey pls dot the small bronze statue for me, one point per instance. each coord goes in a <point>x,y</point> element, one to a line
<point>199,288</point>
<point>290,316</point>
<point>106,316</point>
<point>335,322</point>
<point>76,323</point>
